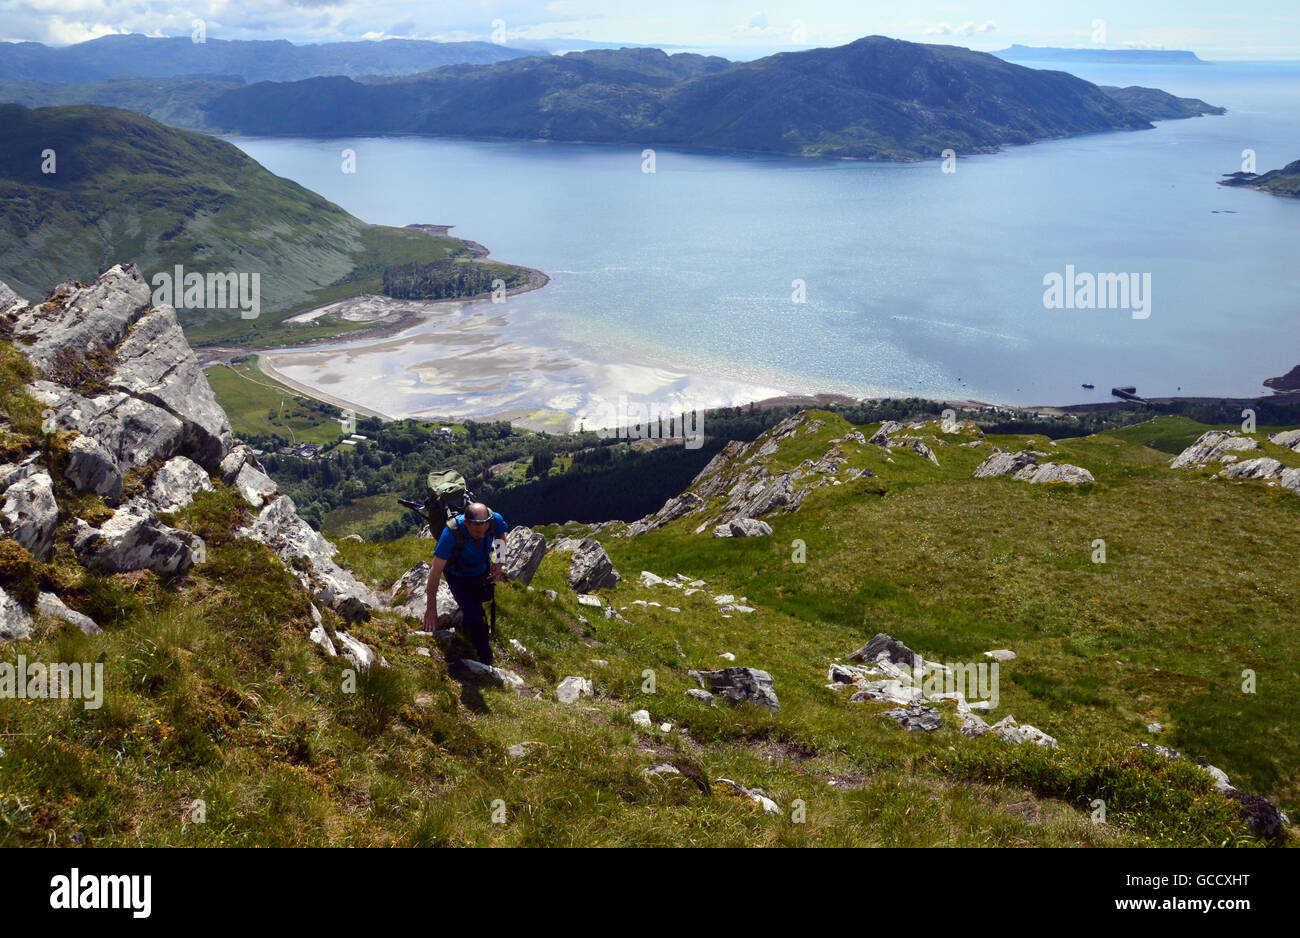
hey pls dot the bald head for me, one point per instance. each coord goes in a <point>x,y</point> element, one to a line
<point>478,512</point>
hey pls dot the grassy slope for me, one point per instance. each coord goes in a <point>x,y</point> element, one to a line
<point>248,396</point>
<point>217,695</point>
<point>130,189</point>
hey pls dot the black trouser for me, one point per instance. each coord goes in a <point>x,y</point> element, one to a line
<point>470,592</point>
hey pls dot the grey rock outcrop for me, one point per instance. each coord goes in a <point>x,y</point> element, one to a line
<point>133,541</point>
<point>677,507</point>
<point>571,688</point>
<point>175,484</point>
<point>1003,464</point>
<point>157,403</point>
<point>47,604</point>
<point>1213,446</point>
<point>743,527</point>
<point>524,551</point>
<point>590,569</point>
<point>917,718</point>
<point>30,515</point>
<point>298,545</point>
<point>1288,438</point>
<point>1009,731</point>
<point>15,621</point>
<point>741,684</point>
<point>1055,472</point>
<point>891,648</point>
<point>357,651</point>
<point>1264,467</point>
<point>253,485</point>
<point>91,468</point>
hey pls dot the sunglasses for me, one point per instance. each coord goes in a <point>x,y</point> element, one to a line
<point>476,521</point>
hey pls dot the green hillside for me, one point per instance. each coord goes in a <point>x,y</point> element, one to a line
<point>127,188</point>
<point>220,696</point>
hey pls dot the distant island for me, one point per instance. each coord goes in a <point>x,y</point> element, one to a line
<point>1284,182</point>
<point>1109,56</point>
<point>872,99</point>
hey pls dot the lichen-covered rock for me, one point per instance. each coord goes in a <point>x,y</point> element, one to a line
<point>1264,467</point>
<point>524,551</point>
<point>30,514</point>
<point>91,468</point>
<point>133,541</point>
<point>1009,731</point>
<point>306,553</point>
<point>157,403</point>
<point>253,485</point>
<point>1055,472</point>
<point>741,684</point>
<point>1213,446</point>
<point>891,648</point>
<point>15,621</point>
<point>1004,464</point>
<point>917,718</point>
<point>176,483</point>
<point>591,569</point>
<point>743,527</point>
<point>1288,438</point>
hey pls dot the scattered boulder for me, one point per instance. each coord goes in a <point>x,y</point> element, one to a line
<point>1009,731</point>
<point>642,718</point>
<point>917,718</point>
<point>571,688</point>
<point>702,696</point>
<point>253,485</point>
<point>1055,472</point>
<point>176,483</point>
<point>741,684</point>
<point>754,794</point>
<point>1290,479</point>
<point>501,677</point>
<point>524,749</point>
<point>661,768</point>
<point>1003,464</point>
<point>972,725</point>
<point>591,569</point>
<point>1001,654</point>
<point>743,527</point>
<point>885,644</point>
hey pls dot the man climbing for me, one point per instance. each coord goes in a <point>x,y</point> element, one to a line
<point>464,553</point>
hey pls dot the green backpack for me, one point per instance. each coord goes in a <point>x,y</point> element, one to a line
<point>446,496</point>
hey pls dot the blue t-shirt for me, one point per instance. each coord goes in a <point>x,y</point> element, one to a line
<point>474,553</point>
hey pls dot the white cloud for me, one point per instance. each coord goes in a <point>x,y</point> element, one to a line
<point>965,29</point>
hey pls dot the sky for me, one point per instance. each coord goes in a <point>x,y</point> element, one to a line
<point>1267,29</point>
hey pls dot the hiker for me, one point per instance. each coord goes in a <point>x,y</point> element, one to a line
<point>464,553</point>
